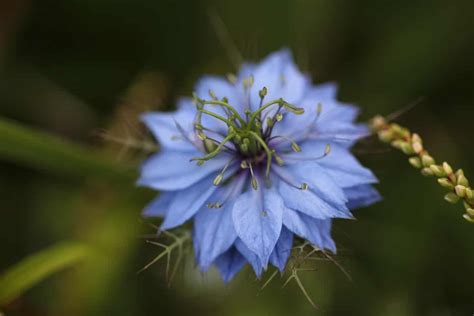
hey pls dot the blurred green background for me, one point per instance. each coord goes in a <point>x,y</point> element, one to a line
<point>74,68</point>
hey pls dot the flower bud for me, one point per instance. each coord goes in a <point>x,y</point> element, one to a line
<point>468,218</point>
<point>470,211</point>
<point>427,160</point>
<point>415,162</point>
<point>451,197</point>
<point>469,193</point>
<point>444,182</point>
<point>460,190</point>
<point>416,138</point>
<point>437,170</point>
<point>427,172</point>
<point>407,148</point>
<point>462,180</point>
<point>385,136</point>
<point>447,168</point>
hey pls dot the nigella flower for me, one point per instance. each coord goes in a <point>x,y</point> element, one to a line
<point>254,160</point>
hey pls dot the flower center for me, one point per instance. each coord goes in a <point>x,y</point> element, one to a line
<point>247,137</point>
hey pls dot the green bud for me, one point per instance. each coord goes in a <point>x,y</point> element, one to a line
<point>427,172</point>
<point>447,168</point>
<point>462,180</point>
<point>415,162</point>
<point>444,182</point>
<point>468,218</point>
<point>469,193</point>
<point>218,179</point>
<point>460,190</point>
<point>427,160</point>
<point>470,211</point>
<point>386,136</point>
<point>437,170</point>
<point>451,197</point>
<point>407,148</point>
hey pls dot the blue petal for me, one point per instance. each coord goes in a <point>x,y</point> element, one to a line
<point>282,78</point>
<point>213,227</point>
<point>159,206</point>
<point>361,196</point>
<point>173,170</point>
<point>282,250</point>
<point>229,263</point>
<point>221,88</point>
<point>250,256</point>
<point>187,202</point>
<point>318,232</point>
<point>340,164</point>
<point>257,217</point>
<point>310,203</point>
<point>319,181</point>
<point>163,125</point>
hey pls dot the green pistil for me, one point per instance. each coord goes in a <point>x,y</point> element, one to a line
<point>248,135</point>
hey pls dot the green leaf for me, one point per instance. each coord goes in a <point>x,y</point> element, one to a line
<point>47,152</point>
<point>33,269</point>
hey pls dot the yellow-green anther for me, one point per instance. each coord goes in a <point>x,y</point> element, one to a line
<point>437,170</point>
<point>427,160</point>
<point>218,179</point>
<point>279,117</point>
<point>304,186</point>
<point>254,183</point>
<point>327,149</point>
<point>319,109</point>
<point>201,135</point>
<point>295,147</point>
<point>263,92</point>
<point>270,122</point>
<point>427,172</point>
<point>212,94</point>
<point>278,159</point>
<point>244,148</point>
<point>447,168</point>
<point>231,78</point>
<point>451,197</point>
<point>225,100</point>
<point>200,162</point>
<point>244,164</point>
<point>444,182</point>
<point>415,162</point>
<point>462,180</point>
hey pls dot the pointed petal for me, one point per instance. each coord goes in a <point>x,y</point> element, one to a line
<point>229,264</point>
<point>159,206</point>
<point>250,256</point>
<point>361,196</point>
<point>173,170</point>
<point>318,232</point>
<point>187,202</point>
<point>282,250</point>
<point>257,217</point>
<point>213,227</point>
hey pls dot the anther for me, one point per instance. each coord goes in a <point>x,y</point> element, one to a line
<point>231,78</point>
<point>304,186</point>
<point>212,94</point>
<point>263,92</point>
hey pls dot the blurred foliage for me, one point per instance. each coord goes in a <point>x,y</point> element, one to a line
<point>74,68</point>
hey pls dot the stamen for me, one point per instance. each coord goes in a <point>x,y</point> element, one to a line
<point>327,151</point>
<point>220,176</point>
<point>231,78</point>
<point>267,150</point>
<point>254,179</point>
<point>216,151</point>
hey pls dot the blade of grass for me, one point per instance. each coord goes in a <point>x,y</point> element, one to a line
<point>47,152</point>
<point>35,268</point>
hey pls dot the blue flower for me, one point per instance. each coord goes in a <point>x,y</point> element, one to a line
<point>254,160</point>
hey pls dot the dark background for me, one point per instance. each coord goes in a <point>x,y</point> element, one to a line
<point>75,67</point>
